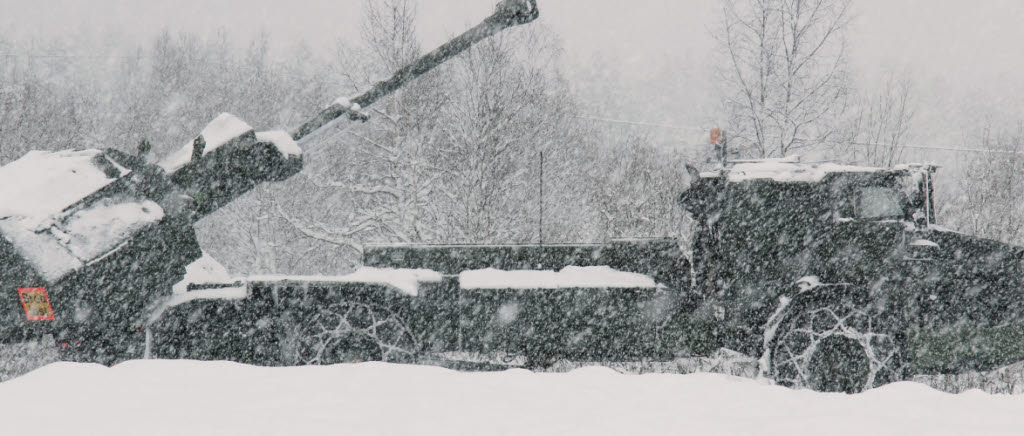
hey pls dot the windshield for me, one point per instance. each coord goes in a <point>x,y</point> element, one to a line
<point>874,202</point>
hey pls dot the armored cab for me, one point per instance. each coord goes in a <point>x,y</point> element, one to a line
<point>817,266</point>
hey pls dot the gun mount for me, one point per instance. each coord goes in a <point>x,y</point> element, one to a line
<point>91,240</point>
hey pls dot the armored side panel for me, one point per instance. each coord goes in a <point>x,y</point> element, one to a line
<point>292,322</point>
<point>545,325</point>
<point>576,324</point>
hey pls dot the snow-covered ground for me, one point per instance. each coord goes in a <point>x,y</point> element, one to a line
<point>201,398</point>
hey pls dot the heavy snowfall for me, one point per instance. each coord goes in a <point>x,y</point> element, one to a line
<point>511,217</point>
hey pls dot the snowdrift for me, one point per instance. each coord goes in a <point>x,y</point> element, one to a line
<point>199,398</point>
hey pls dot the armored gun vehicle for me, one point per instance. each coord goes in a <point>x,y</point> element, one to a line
<point>91,241</point>
<point>835,277</point>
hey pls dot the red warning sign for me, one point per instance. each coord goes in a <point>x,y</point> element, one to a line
<point>36,303</point>
<point>716,136</point>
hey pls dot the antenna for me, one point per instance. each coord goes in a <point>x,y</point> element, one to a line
<point>540,217</point>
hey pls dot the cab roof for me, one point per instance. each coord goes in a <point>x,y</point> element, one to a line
<point>790,169</point>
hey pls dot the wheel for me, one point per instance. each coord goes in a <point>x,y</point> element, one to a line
<point>834,345</point>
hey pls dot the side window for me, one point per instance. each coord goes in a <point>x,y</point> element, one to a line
<point>876,202</point>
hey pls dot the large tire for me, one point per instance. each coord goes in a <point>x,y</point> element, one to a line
<point>834,345</point>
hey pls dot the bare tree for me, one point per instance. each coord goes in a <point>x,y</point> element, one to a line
<point>634,194</point>
<point>991,191</point>
<point>506,109</point>
<point>381,171</point>
<point>880,124</point>
<point>783,73</point>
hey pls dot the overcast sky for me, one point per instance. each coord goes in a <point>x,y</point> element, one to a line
<point>963,55</point>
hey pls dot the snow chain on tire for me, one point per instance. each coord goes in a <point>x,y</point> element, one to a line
<point>348,331</point>
<point>820,327</point>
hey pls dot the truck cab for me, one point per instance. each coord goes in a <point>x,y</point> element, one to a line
<point>760,226</point>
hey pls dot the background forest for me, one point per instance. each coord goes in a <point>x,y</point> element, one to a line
<point>461,155</point>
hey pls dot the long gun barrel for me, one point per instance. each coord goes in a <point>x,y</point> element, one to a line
<point>507,14</point>
<point>229,157</point>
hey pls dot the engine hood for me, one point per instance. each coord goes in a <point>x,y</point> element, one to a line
<point>955,246</point>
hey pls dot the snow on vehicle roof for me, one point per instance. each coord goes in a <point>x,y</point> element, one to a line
<point>405,280</point>
<point>220,131</point>
<point>568,277</point>
<point>105,224</point>
<point>84,235</point>
<point>790,169</point>
<point>41,213</point>
<point>282,140</point>
<point>43,183</point>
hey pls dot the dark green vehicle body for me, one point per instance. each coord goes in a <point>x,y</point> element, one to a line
<point>775,243</point>
<point>444,317</point>
<point>864,238</point>
<point>579,324</point>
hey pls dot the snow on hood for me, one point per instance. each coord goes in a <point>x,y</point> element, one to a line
<point>220,131</point>
<point>568,277</point>
<point>50,259</point>
<point>43,183</point>
<point>63,243</point>
<point>104,225</point>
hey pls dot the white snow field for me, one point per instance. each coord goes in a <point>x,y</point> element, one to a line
<point>220,398</point>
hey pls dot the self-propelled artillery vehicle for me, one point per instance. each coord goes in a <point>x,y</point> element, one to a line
<point>834,277</point>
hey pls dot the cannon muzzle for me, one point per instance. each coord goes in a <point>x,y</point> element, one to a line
<point>515,12</point>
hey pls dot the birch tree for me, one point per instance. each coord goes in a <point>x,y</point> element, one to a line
<point>991,190</point>
<point>880,124</point>
<point>782,65</point>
